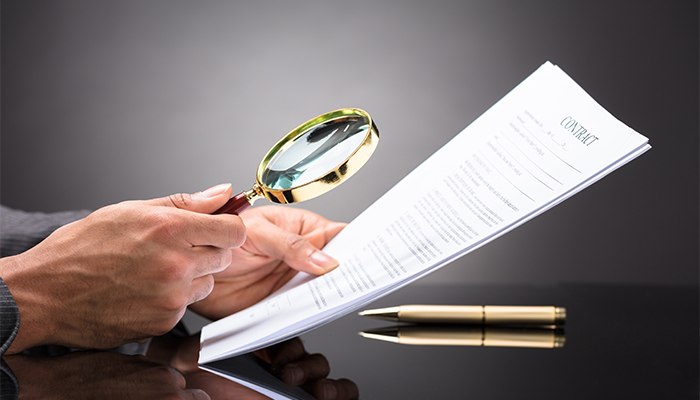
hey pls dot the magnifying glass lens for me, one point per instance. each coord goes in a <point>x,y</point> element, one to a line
<point>311,159</point>
<point>320,149</point>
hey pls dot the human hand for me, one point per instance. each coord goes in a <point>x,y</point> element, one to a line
<point>280,242</point>
<point>98,375</point>
<point>289,361</point>
<point>125,273</point>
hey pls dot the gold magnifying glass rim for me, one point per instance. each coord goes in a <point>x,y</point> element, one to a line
<point>321,185</point>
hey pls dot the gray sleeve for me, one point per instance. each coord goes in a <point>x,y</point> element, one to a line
<point>9,318</point>
<point>20,230</point>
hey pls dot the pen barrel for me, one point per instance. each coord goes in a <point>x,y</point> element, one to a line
<point>436,336</point>
<point>532,315</point>
<point>441,314</point>
<point>483,336</point>
<point>534,338</point>
<point>489,315</point>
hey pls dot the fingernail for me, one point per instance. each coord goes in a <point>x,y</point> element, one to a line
<point>215,190</point>
<point>323,260</point>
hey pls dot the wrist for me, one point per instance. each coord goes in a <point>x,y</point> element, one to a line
<point>23,281</point>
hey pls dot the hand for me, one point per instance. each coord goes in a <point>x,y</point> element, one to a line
<point>98,375</point>
<point>295,367</point>
<point>281,241</point>
<point>125,273</point>
<point>289,361</point>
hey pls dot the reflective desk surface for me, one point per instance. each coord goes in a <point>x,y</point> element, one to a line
<point>636,342</point>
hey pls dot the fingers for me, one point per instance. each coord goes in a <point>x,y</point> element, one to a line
<point>283,353</point>
<point>200,288</point>
<point>196,225</point>
<point>340,389</point>
<point>294,249</point>
<point>294,365</point>
<point>311,368</point>
<point>224,231</point>
<point>197,273</point>
<point>178,384</point>
<point>299,253</point>
<point>321,237</point>
<point>186,262</point>
<point>196,394</point>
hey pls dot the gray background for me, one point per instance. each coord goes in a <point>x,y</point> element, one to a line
<point>104,101</point>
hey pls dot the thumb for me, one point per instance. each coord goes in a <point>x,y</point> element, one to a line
<point>295,250</point>
<point>301,255</point>
<point>205,202</point>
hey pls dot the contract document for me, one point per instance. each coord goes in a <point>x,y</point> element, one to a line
<point>543,142</point>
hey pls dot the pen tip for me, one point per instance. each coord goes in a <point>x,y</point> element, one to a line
<point>384,313</point>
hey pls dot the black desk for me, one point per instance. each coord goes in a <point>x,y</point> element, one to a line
<point>621,342</point>
<point>637,342</point>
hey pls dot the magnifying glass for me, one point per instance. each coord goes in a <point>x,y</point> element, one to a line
<point>312,159</point>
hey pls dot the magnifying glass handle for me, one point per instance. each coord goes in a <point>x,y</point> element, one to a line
<point>235,205</point>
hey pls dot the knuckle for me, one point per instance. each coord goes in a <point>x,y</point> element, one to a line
<point>176,273</point>
<point>165,373</point>
<point>218,259</point>
<point>227,234</point>
<point>111,216</point>
<point>163,223</point>
<point>205,289</point>
<point>180,200</point>
<point>175,267</point>
<point>237,232</point>
<point>174,304</point>
<point>163,218</point>
<point>225,260</point>
<point>294,242</point>
<point>160,331</point>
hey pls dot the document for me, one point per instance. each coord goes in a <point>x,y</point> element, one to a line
<point>543,142</point>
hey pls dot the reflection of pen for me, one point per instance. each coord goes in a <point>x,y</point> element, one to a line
<point>489,315</point>
<point>443,335</point>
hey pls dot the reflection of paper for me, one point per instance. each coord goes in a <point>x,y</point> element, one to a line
<point>251,372</point>
<point>543,142</point>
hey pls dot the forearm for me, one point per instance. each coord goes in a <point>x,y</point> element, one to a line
<point>29,307</point>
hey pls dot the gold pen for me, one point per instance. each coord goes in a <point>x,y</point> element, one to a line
<point>488,315</point>
<point>452,335</point>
